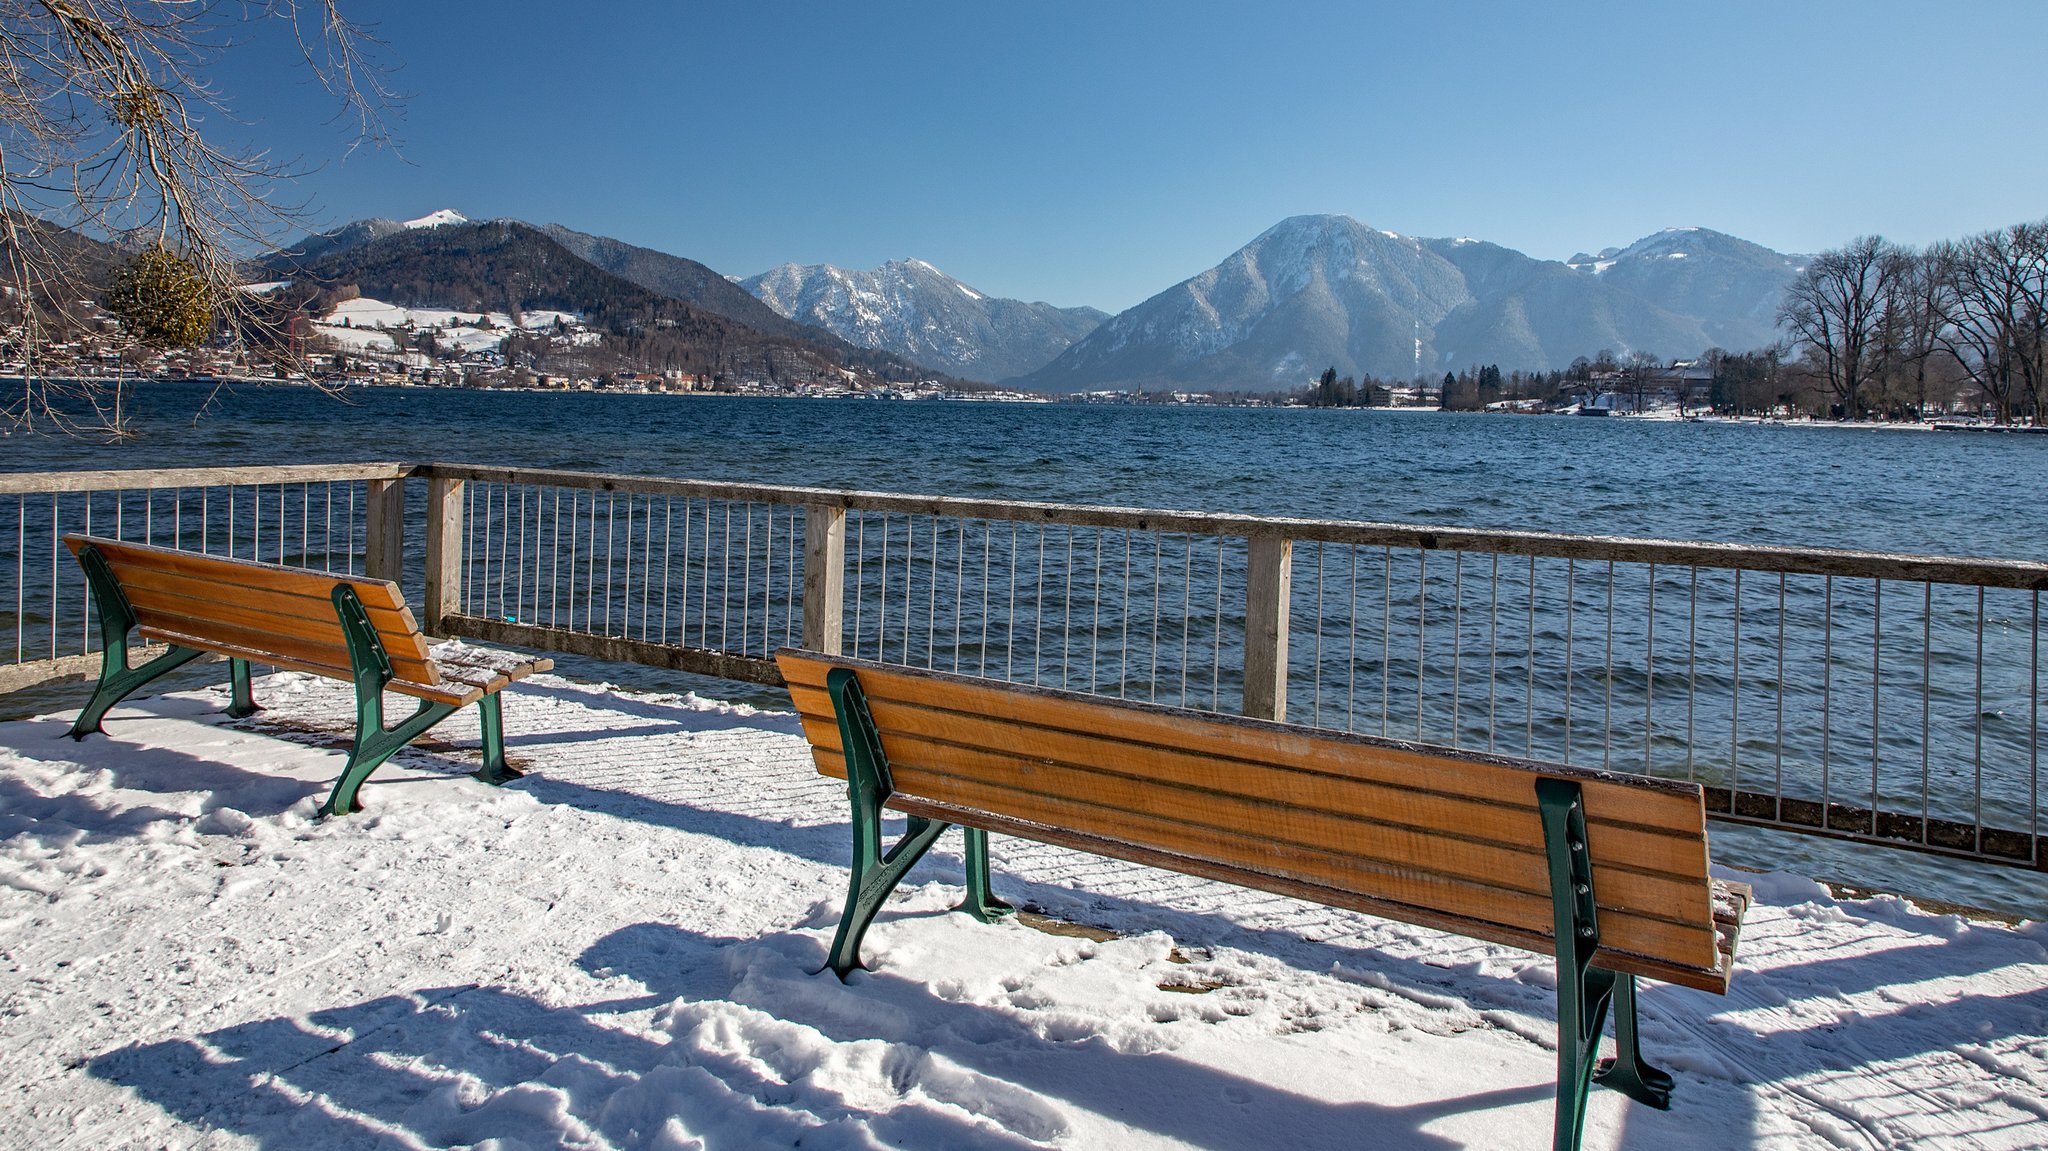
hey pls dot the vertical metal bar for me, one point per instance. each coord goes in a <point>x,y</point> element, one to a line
<point>860,535</point>
<point>931,604</point>
<point>519,581</point>
<point>789,592</point>
<point>1571,598</point>
<point>959,588</point>
<point>988,531</point>
<point>1216,651</point>
<point>1827,687</point>
<point>2033,729</point>
<point>555,554</point>
<point>1492,649</point>
<point>1876,677</point>
<point>1386,637</point>
<point>668,551</point>
<point>502,525</point>
<point>1457,640</point>
<point>1067,612</point>
<point>1692,668</point>
<point>1095,621</point>
<point>909,578</point>
<point>1187,615</point>
<point>647,567</point>
<point>1977,730</point>
<point>1038,613</point>
<point>1123,666</point>
<point>724,576</point>
<point>21,577</point>
<point>746,571</point>
<point>1351,658</point>
<point>1158,594</point>
<point>1421,629</point>
<point>1316,666</point>
<point>1927,700</point>
<point>1529,669</point>
<point>1778,753</point>
<point>1010,628</point>
<point>1650,678</point>
<point>1607,715</point>
<point>1735,699</point>
<point>53,575</point>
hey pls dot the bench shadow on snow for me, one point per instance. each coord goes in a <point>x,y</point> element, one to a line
<point>448,1066</point>
<point>393,1069</point>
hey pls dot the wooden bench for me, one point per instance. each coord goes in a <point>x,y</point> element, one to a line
<point>1607,871</point>
<point>339,626</point>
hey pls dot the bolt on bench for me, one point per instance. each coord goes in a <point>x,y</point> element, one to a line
<point>1606,871</point>
<point>338,626</point>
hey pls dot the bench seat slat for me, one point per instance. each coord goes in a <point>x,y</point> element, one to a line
<point>1713,979</point>
<point>1386,841</point>
<point>1678,809</point>
<point>229,621</point>
<point>455,694</point>
<point>144,585</point>
<point>234,572</point>
<point>1417,884</point>
<point>926,737</point>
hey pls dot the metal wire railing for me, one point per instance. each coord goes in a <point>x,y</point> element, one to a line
<point>307,517</point>
<point>1883,698</point>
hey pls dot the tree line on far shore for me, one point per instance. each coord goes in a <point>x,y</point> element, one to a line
<point>1874,330</point>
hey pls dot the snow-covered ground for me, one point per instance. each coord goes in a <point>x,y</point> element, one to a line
<point>619,951</point>
<point>366,325</point>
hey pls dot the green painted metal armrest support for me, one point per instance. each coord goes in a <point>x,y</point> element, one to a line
<point>876,872</point>
<point>375,743</point>
<point>1584,991</point>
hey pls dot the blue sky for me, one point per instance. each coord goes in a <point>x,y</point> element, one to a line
<point>1098,153</point>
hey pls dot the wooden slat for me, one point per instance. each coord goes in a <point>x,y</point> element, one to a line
<point>246,584</point>
<point>1614,959</point>
<point>135,578</point>
<point>241,572</point>
<point>1381,836</point>
<point>1414,883</point>
<point>920,735</point>
<point>1655,803</point>
<point>456,694</point>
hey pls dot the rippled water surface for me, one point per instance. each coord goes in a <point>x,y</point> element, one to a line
<point>1879,489</point>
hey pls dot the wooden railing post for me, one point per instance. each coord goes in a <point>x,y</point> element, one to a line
<point>444,553</point>
<point>824,577</point>
<point>384,530</point>
<point>1268,592</point>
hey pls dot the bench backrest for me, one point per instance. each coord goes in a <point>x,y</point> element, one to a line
<point>268,613</point>
<point>1420,834</point>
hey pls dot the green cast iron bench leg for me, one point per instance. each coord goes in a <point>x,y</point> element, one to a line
<point>375,743</point>
<point>1585,992</point>
<point>118,680</point>
<point>875,871</point>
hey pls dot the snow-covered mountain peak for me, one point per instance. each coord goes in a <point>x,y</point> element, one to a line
<point>436,219</point>
<point>911,308</point>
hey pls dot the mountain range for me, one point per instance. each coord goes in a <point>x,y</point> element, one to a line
<point>920,313</point>
<point>1327,291</point>
<point>1309,293</point>
<point>509,266</point>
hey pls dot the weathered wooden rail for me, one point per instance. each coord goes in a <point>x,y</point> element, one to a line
<point>1892,699</point>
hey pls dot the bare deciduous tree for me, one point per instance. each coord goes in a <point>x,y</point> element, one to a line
<point>1835,310</point>
<point>111,131</point>
<point>1993,297</point>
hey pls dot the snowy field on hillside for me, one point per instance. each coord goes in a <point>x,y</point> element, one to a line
<point>619,951</point>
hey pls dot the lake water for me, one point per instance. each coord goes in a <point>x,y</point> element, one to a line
<point>1877,489</point>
